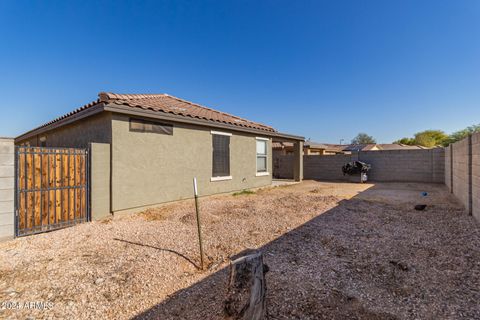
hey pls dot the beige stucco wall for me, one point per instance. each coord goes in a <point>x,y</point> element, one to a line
<point>100,180</point>
<point>150,168</point>
<point>79,134</point>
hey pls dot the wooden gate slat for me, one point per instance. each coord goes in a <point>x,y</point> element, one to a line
<point>51,184</point>
<point>37,186</point>
<point>58,177</point>
<point>21,185</point>
<point>29,185</point>
<point>71,183</point>
<point>77,184</point>
<point>44,186</point>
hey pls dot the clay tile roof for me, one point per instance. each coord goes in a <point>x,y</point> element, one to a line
<point>71,113</point>
<point>169,104</point>
<point>163,103</point>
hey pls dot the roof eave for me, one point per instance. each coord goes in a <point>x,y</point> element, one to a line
<point>99,107</point>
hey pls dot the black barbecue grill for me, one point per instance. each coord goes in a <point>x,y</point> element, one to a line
<point>357,168</point>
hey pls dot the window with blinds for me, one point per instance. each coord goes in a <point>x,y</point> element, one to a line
<point>261,155</point>
<point>221,155</point>
<point>140,125</point>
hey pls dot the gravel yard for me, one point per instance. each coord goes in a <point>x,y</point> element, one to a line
<point>335,251</point>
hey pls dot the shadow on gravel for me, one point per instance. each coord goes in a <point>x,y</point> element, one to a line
<point>344,264</point>
<point>161,249</point>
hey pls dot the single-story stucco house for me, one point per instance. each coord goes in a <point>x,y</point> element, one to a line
<point>145,149</point>
<point>324,149</point>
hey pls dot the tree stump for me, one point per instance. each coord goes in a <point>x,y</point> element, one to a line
<point>246,287</point>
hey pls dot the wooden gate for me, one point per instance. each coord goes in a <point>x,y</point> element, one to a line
<point>51,189</point>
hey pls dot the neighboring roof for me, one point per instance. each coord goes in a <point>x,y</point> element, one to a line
<point>380,146</point>
<point>358,147</point>
<point>350,147</point>
<point>325,146</point>
<point>169,104</point>
<point>310,144</point>
<point>281,145</point>
<point>397,146</point>
<point>162,106</point>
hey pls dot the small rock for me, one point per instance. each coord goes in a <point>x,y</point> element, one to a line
<point>99,281</point>
<point>9,290</point>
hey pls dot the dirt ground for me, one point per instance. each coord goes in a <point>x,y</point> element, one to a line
<point>335,251</point>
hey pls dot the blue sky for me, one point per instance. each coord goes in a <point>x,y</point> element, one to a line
<point>322,69</point>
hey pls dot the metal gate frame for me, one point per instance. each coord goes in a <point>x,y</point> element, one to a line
<point>57,225</point>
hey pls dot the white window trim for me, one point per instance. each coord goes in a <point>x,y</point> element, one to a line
<point>221,178</point>
<point>263,173</point>
<point>221,133</point>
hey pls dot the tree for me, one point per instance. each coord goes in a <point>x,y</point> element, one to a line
<point>363,138</point>
<point>430,138</point>
<point>462,134</point>
<point>407,141</point>
<point>433,138</point>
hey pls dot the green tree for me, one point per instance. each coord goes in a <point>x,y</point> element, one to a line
<point>407,141</point>
<point>462,134</point>
<point>430,138</point>
<point>363,138</point>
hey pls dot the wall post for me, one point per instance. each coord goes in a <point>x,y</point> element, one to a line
<point>470,178</point>
<point>298,161</point>
<point>7,188</point>
<point>451,168</point>
<point>100,180</point>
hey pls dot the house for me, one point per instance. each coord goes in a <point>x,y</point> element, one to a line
<point>315,148</point>
<point>381,146</point>
<point>309,148</point>
<point>151,146</point>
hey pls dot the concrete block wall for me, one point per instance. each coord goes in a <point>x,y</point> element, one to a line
<point>7,188</point>
<point>388,165</point>
<point>460,172</point>
<point>448,167</point>
<point>406,165</point>
<point>475,175</point>
<point>326,167</point>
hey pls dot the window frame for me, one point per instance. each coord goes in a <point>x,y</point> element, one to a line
<point>149,122</point>
<point>221,178</point>
<point>263,156</point>
<point>43,141</point>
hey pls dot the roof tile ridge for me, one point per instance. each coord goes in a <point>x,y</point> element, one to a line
<point>107,96</point>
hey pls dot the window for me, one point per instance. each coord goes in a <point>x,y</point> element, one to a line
<point>43,141</point>
<point>261,155</point>
<point>140,125</point>
<point>221,155</point>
